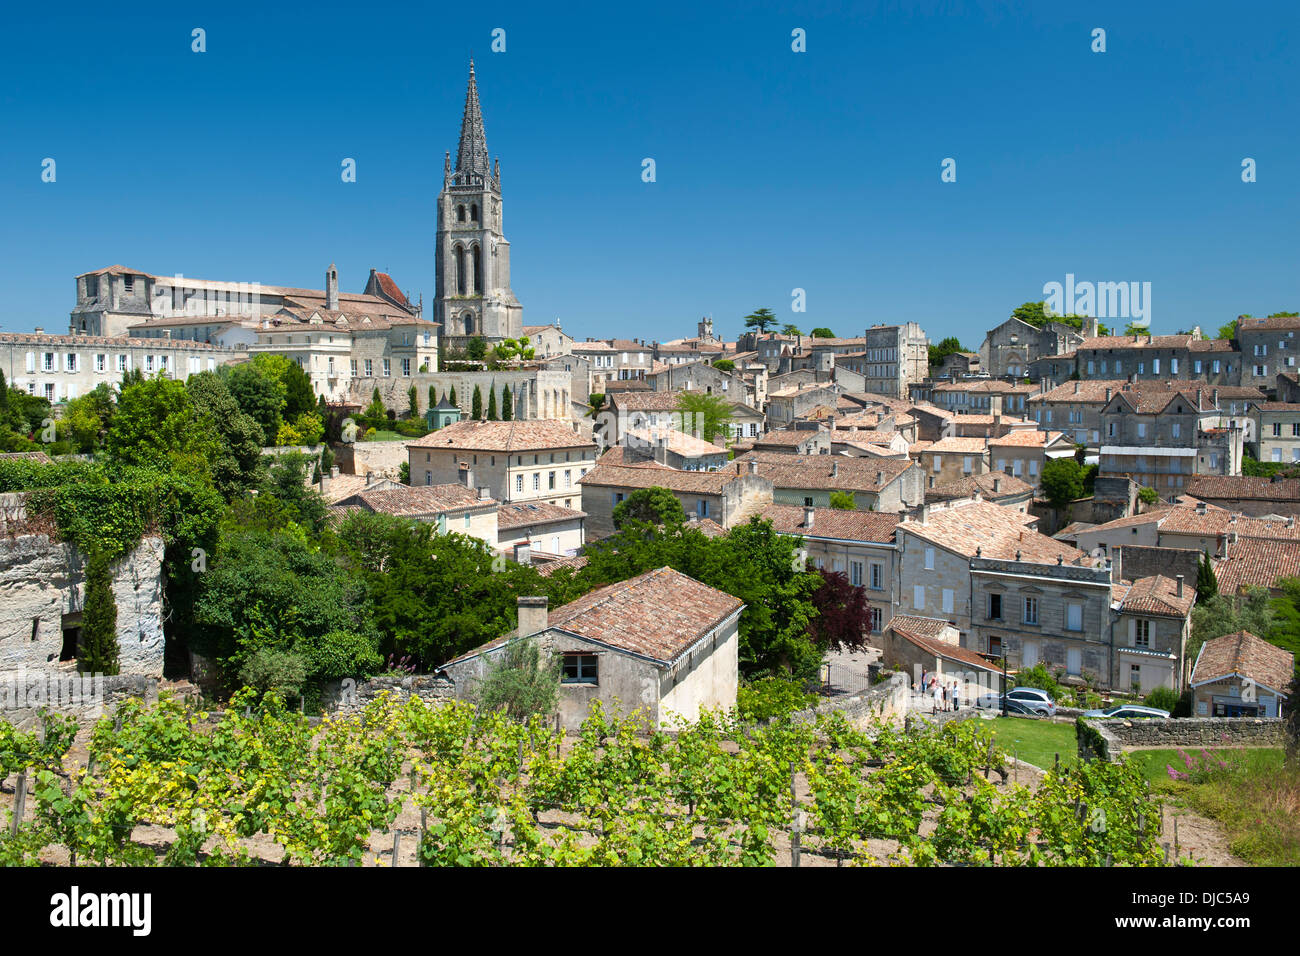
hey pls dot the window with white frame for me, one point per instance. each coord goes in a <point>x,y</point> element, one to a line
<point>1142,633</point>
<point>929,559</point>
<point>1031,610</point>
<point>388,368</point>
<point>101,362</point>
<point>877,577</point>
<point>370,368</point>
<point>406,367</point>
<point>47,362</point>
<point>1074,617</point>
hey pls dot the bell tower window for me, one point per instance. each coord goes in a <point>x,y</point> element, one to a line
<point>478,271</point>
<point>473,212</point>
<point>460,213</point>
<point>460,270</point>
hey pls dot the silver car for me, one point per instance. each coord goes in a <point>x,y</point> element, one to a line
<point>1033,699</point>
<point>1127,712</point>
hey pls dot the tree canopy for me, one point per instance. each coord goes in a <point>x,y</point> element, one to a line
<point>707,414</point>
<point>760,320</point>
<point>654,506</point>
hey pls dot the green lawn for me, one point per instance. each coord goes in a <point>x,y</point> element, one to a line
<point>1154,764</point>
<point>1035,741</point>
<point>384,435</point>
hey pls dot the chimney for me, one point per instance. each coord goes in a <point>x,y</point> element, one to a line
<point>38,331</point>
<point>1202,507</point>
<point>1290,521</point>
<point>808,514</point>
<point>484,493</point>
<point>835,469</point>
<point>997,485</point>
<point>753,466</point>
<point>1214,397</point>
<point>523,555</point>
<point>923,513</point>
<point>1076,387</point>
<point>332,288</point>
<point>880,479</point>
<point>1180,585</point>
<point>532,614</point>
<point>1108,393</point>
<point>334,471</point>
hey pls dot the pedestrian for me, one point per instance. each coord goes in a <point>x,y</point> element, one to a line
<point>937,697</point>
<point>944,690</point>
<point>956,695</point>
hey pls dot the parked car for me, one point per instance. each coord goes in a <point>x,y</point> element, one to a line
<point>1126,712</point>
<point>1037,701</point>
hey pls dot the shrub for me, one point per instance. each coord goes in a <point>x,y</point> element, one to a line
<point>339,654</point>
<point>272,671</point>
<point>770,697</point>
<point>1164,698</point>
<point>1038,676</point>
<point>99,617</point>
<point>519,684</point>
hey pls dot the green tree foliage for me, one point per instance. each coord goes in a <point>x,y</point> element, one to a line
<point>432,595</point>
<point>1165,698</point>
<point>752,562</point>
<point>86,419</point>
<point>157,424</point>
<point>99,617</point>
<point>476,405</point>
<point>843,501</point>
<point>707,414</point>
<point>1038,315</point>
<point>511,349</point>
<point>520,684</point>
<point>507,409</point>
<point>404,472</point>
<point>1286,618</point>
<point>821,332</point>
<point>1221,615</point>
<point>1207,583</point>
<point>452,399</point>
<point>596,400</point>
<point>476,349</point>
<point>433,396</point>
<point>286,484</point>
<point>234,467</point>
<point>760,320</point>
<point>948,346</point>
<point>492,405</point>
<point>1148,495</point>
<point>413,400</point>
<point>1134,329</point>
<point>1038,676</point>
<point>259,396</point>
<point>725,365</point>
<point>268,590</point>
<point>656,506</point>
<point>791,329</point>
<point>1062,481</point>
<point>273,670</point>
<point>1228,331</point>
<point>299,397</point>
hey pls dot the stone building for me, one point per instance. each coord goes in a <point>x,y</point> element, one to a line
<point>976,395</point>
<point>1268,348</point>
<point>801,438</point>
<point>660,645</point>
<point>890,359</point>
<point>473,297</point>
<point>877,484</point>
<point>673,448</point>
<point>728,496</point>
<point>1024,454</point>
<point>516,461</point>
<point>1277,431</point>
<point>1152,624</point>
<point>452,507</point>
<point>858,544</point>
<point>1009,348</point>
<point>543,529</point>
<point>1241,675</point>
<point>62,367</point>
<point>44,589</point>
<point>950,459</point>
<point>1003,490</point>
<point>1159,358</point>
<point>548,341</point>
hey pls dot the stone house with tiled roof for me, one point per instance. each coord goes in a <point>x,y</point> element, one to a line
<point>1241,675</point>
<point>661,645</point>
<point>452,507</point>
<point>1153,621</point>
<point>1269,346</point>
<point>931,646</point>
<point>517,461</point>
<point>1023,453</point>
<point>541,528</point>
<point>1276,431</point>
<point>857,544</point>
<point>1010,347</point>
<point>728,496</point>
<point>1004,490</point>
<point>952,458</point>
<point>1252,496</point>
<point>984,396</point>
<point>877,484</point>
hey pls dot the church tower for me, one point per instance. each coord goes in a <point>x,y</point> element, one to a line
<point>472,258</point>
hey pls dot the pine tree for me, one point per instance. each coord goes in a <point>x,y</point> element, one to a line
<point>1207,583</point>
<point>492,405</point>
<point>507,412</point>
<point>99,617</point>
<point>476,405</point>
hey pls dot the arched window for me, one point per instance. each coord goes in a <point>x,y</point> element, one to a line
<point>468,319</point>
<point>473,212</point>
<point>460,270</point>
<point>478,271</point>
<point>460,213</point>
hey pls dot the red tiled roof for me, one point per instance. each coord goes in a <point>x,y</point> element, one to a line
<point>1244,655</point>
<point>1257,563</point>
<point>1159,595</point>
<point>1010,487</point>
<point>874,526</point>
<point>924,633</point>
<point>525,513</point>
<point>994,531</point>
<point>826,472</point>
<point>1241,486</point>
<point>540,435</point>
<point>420,500</point>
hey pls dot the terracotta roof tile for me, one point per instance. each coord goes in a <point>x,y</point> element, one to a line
<point>541,435</point>
<point>1009,487</point>
<point>525,513</point>
<point>827,472</point>
<point>874,526</point>
<point>1241,486</point>
<point>1159,595</point>
<point>993,531</point>
<point>1257,563</point>
<point>1244,655</point>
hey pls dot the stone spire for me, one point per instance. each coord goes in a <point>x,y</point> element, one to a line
<point>472,162</point>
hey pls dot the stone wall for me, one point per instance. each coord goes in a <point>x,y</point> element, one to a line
<point>1107,739</point>
<point>23,694</point>
<point>886,702</point>
<point>42,590</point>
<point>367,457</point>
<point>350,697</point>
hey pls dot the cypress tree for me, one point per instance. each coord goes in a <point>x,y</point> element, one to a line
<point>476,405</point>
<point>414,395</point>
<point>433,396</point>
<point>492,405</point>
<point>452,399</point>
<point>507,413</point>
<point>99,617</point>
<point>1207,583</point>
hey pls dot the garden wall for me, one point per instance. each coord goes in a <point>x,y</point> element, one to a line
<point>365,457</point>
<point>1107,739</point>
<point>350,697</point>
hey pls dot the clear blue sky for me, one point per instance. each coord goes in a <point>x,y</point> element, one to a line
<point>775,169</point>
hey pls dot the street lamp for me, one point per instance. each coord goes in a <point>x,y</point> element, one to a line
<point>1004,680</point>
